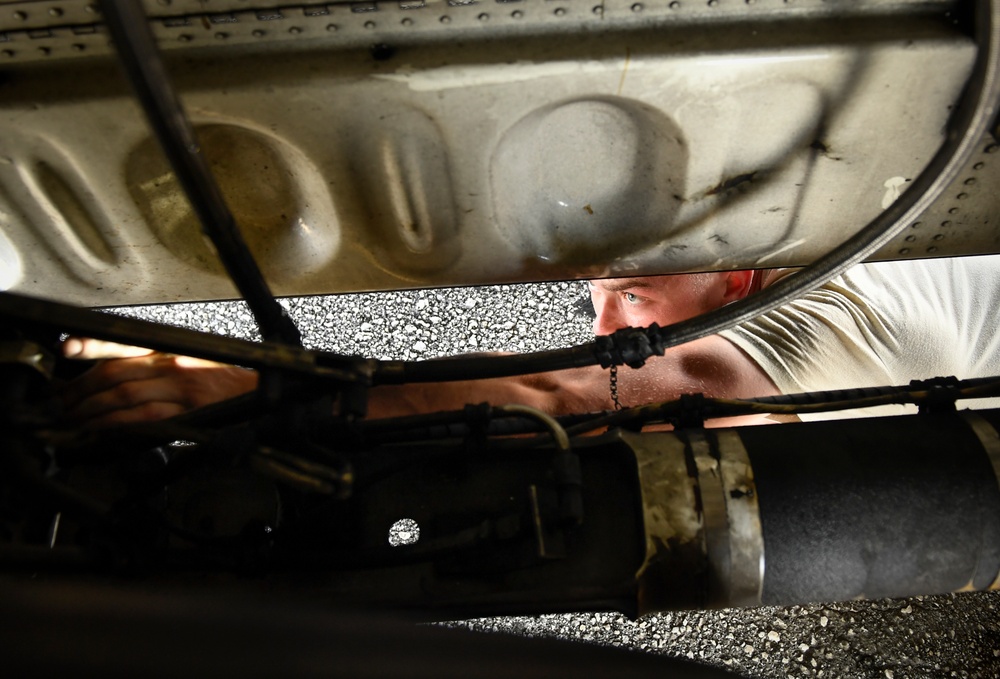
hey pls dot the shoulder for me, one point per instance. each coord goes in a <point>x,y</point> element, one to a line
<point>712,366</point>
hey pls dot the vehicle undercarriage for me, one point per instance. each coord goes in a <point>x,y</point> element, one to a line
<point>292,490</point>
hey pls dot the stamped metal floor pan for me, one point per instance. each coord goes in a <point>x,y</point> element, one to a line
<point>395,145</point>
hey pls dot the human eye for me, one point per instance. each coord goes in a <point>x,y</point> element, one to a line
<point>632,298</point>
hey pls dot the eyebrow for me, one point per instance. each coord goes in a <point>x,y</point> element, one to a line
<point>621,284</point>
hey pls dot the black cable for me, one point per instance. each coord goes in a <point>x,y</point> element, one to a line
<point>629,346</point>
<point>632,346</point>
<point>971,121</point>
<point>449,425</point>
<point>969,386</point>
<point>136,46</point>
<point>792,404</point>
<point>43,314</point>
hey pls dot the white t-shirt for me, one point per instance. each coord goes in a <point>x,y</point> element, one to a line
<point>883,324</point>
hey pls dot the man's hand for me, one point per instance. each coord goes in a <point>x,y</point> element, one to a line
<point>132,384</point>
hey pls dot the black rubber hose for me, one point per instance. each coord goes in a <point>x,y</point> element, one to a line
<point>40,313</point>
<point>632,346</point>
<point>136,47</point>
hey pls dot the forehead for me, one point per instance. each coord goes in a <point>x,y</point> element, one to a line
<point>640,283</point>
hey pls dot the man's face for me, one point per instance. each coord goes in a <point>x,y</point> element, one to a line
<point>639,302</point>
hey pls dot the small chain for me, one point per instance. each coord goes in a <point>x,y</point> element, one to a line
<point>614,387</point>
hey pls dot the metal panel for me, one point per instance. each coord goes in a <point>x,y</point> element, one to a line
<point>393,145</point>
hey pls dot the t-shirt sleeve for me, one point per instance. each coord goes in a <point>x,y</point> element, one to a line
<point>882,324</point>
<point>875,326</point>
<point>821,342</point>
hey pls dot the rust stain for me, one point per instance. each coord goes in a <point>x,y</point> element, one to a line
<point>731,183</point>
<point>823,149</point>
<point>589,209</point>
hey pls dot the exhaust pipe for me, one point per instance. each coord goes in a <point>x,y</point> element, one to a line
<point>820,511</point>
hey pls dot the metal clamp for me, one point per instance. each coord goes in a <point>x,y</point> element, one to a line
<point>733,536</point>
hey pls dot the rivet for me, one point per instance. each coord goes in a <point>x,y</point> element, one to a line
<point>559,12</point>
<point>445,19</point>
<point>77,47</point>
<point>713,3</point>
<point>599,10</point>
<point>221,36</point>
<point>953,211</point>
<point>970,181</point>
<point>910,239</point>
<point>962,196</point>
<point>20,16</point>
<point>932,249</point>
<point>915,225</point>
<point>8,53</point>
<point>938,236</point>
<point>904,251</point>
<point>257,33</point>
<point>945,224</point>
<point>979,166</point>
<point>407,21</point>
<point>369,25</point>
<point>637,7</point>
<point>45,50</point>
<point>332,27</point>
<point>675,5</point>
<point>184,37</point>
<point>294,30</point>
<point>517,14</point>
<point>992,148</point>
<point>484,17</point>
<point>56,12</point>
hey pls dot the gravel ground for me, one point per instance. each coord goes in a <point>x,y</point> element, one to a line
<point>937,636</point>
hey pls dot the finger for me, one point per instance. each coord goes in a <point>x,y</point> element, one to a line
<point>110,373</point>
<point>87,348</point>
<point>127,396</point>
<point>147,412</point>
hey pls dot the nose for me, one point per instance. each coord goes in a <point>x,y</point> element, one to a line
<point>604,327</point>
<point>606,319</point>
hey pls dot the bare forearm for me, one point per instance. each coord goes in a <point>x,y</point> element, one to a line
<point>147,385</point>
<point>555,393</point>
<point>711,366</point>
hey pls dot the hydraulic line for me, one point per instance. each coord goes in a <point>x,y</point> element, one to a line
<point>136,46</point>
<point>44,314</point>
<point>449,425</point>
<point>632,346</point>
<point>942,393</point>
<point>973,119</point>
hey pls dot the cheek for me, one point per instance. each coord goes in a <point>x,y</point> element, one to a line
<point>663,314</point>
<point>639,316</point>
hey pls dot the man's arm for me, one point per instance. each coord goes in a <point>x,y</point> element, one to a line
<point>131,384</point>
<point>712,366</point>
<point>151,386</point>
